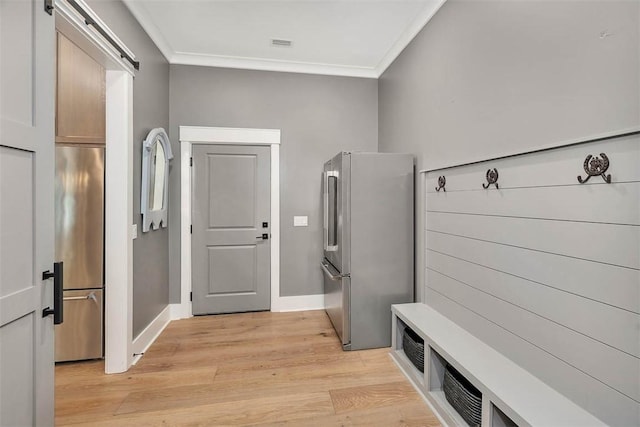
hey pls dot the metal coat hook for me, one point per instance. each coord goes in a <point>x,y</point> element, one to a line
<point>595,166</point>
<point>442,181</point>
<point>492,178</point>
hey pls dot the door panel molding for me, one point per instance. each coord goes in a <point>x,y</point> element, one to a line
<point>190,135</point>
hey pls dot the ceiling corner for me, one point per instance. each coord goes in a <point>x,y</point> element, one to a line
<point>219,61</point>
<point>408,35</point>
<point>139,12</point>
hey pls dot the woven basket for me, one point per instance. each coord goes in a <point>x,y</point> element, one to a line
<point>413,347</point>
<point>463,396</point>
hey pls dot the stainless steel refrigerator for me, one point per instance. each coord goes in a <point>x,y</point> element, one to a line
<point>368,244</point>
<point>79,244</point>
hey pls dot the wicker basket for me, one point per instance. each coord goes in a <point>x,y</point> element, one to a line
<point>413,347</point>
<point>463,396</point>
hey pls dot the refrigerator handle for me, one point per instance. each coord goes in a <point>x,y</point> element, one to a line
<point>58,304</point>
<point>331,276</point>
<point>91,296</point>
<point>325,210</point>
<point>327,175</point>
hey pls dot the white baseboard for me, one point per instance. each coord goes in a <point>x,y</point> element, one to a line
<point>181,310</point>
<point>144,340</point>
<point>281,304</point>
<point>298,303</point>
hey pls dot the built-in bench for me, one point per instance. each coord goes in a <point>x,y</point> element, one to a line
<point>510,394</point>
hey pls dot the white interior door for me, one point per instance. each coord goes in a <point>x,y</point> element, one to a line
<point>27,49</point>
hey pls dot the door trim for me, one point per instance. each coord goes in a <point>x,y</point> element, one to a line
<point>190,135</point>
<point>118,312</point>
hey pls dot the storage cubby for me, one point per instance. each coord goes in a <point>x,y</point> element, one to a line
<point>500,419</point>
<point>437,372</point>
<point>414,373</point>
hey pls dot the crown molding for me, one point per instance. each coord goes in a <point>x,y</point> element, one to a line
<point>141,14</point>
<point>408,35</point>
<point>188,58</point>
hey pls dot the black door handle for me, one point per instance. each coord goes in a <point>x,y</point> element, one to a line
<point>58,305</point>
<point>265,236</point>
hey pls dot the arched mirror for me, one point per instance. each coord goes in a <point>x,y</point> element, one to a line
<point>156,153</point>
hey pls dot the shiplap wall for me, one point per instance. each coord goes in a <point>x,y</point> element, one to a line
<point>547,270</point>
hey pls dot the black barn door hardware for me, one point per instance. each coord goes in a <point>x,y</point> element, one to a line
<point>595,166</point>
<point>89,21</point>
<point>492,178</point>
<point>48,6</point>
<point>442,181</point>
<point>58,304</point>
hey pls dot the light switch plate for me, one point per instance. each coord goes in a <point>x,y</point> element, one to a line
<point>134,231</point>
<point>300,221</point>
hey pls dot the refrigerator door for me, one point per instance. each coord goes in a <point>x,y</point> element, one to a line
<point>79,337</point>
<point>336,302</point>
<point>336,211</point>
<point>79,215</point>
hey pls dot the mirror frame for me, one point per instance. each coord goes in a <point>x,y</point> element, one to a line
<point>152,220</point>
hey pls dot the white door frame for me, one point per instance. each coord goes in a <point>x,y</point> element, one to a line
<point>118,183</point>
<point>190,135</point>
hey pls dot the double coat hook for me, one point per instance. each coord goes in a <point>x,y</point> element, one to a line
<point>492,178</point>
<point>442,181</point>
<point>595,166</point>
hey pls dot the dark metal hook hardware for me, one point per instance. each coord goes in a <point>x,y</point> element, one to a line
<point>48,6</point>
<point>442,181</point>
<point>492,178</point>
<point>595,166</point>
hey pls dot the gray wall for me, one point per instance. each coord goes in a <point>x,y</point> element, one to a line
<point>150,110</point>
<point>486,78</point>
<point>318,116</point>
<point>489,77</point>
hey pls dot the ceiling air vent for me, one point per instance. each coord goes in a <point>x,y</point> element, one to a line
<point>281,43</point>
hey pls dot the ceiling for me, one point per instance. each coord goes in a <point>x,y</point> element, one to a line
<point>358,38</point>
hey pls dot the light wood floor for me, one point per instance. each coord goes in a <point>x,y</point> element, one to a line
<point>244,369</point>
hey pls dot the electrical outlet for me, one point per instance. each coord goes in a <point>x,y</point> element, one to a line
<point>300,221</point>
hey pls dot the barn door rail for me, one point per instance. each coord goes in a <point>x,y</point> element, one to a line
<point>91,19</point>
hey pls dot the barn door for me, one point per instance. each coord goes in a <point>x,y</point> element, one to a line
<point>27,60</point>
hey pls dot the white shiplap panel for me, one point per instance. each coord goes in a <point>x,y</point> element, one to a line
<point>601,282</point>
<point>580,314</point>
<point>595,396</point>
<point>615,203</point>
<point>605,243</point>
<point>580,352</point>
<point>546,270</point>
<point>554,167</point>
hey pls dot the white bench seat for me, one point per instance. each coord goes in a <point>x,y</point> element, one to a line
<point>522,397</point>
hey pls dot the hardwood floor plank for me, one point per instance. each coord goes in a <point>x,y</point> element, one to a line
<point>281,382</point>
<point>243,369</point>
<point>239,412</point>
<point>406,415</point>
<point>372,396</point>
<point>133,381</point>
